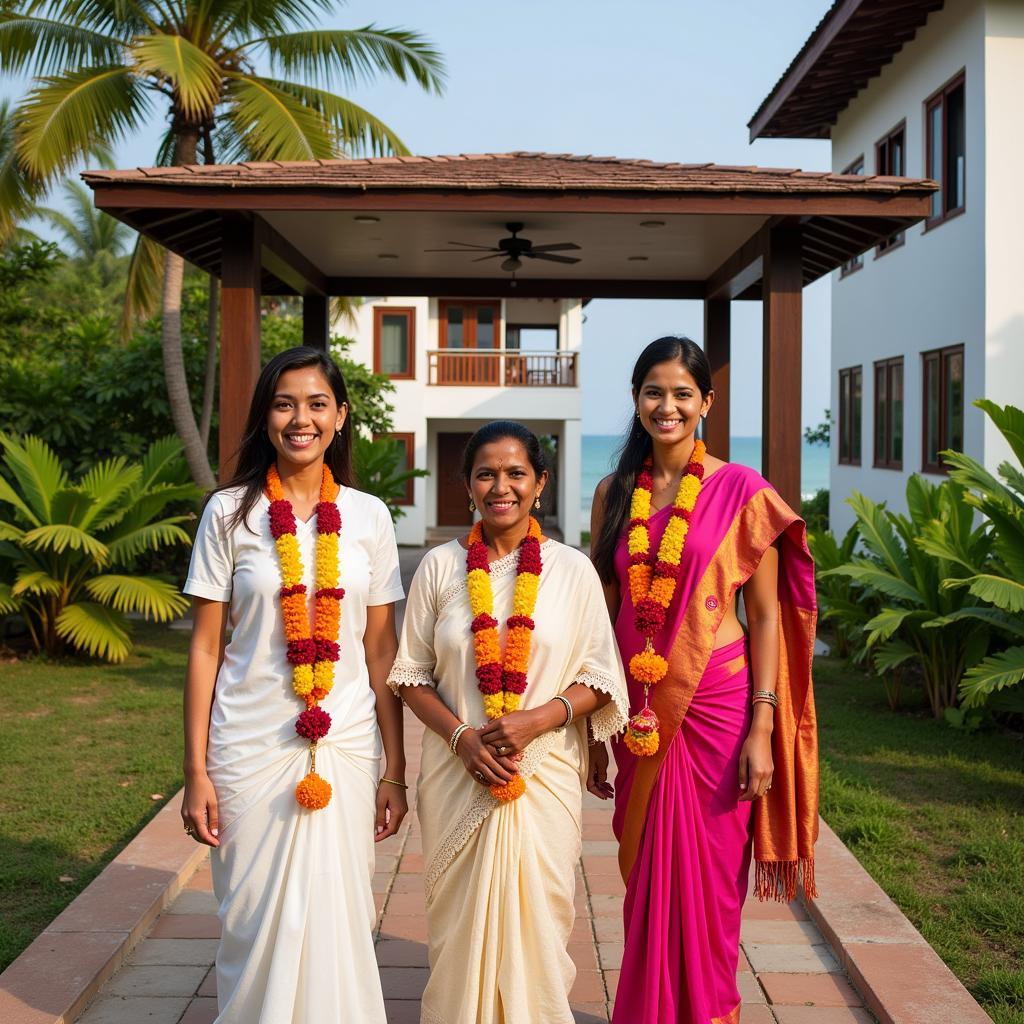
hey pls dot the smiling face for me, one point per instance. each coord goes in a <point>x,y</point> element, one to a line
<point>304,416</point>
<point>503,484</point>
<point>670,404</point>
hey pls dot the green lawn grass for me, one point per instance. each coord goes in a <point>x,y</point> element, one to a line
<point>85,747</point>
<point>936,816</point>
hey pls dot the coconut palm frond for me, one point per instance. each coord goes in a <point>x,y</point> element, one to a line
<point>64,114</point>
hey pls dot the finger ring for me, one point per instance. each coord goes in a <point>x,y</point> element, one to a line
<point>501,750</point>
<point>189,830</point>
<point>479,775</point>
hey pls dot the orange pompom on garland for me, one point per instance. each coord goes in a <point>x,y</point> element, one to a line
<point>652,585</point>
<point>312,656</point>
<point>502,681</point>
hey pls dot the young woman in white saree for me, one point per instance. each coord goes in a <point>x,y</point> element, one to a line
<point>506,653</point>
<point>303,569</point>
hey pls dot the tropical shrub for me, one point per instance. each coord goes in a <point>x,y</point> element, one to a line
<point>814,511</point>
<point>379,467</point>
<point>904,563</point>
<point>69,550</point>
<point>844,604</point>
<point>999,583</point>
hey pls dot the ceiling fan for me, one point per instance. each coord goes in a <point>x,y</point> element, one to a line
<point>515,249</point>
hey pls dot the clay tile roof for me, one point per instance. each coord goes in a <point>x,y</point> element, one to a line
<point>504,171</point>
<point>850,46</point>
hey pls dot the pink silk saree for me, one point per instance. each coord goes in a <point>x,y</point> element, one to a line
<point>684,839</point>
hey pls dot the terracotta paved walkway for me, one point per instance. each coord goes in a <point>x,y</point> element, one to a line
<point>787,974</point>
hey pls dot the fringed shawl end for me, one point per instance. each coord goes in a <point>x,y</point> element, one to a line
<point>778,879</point>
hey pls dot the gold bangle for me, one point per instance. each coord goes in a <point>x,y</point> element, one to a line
<point>395,782</point>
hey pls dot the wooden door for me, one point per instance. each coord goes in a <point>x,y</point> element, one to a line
<point>472,325</point>
<point>452,499</point>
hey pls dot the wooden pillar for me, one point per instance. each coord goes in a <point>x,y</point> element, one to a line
<point>316,326</point>
<point>239,335</point>
<point>782,293</point>
<point>717,345</point>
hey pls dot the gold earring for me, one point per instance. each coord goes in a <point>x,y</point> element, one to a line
<point>472,505</point>
<point>536,502</point>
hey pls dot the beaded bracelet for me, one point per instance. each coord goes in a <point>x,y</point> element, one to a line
<point>459,730</point>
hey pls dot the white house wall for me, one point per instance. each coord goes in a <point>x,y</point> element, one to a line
<point>1004,215</point>
<point>419,408</point>
<point>929,292</point>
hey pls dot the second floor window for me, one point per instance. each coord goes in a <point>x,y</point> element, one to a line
<point>855,262</point>
<point>891,159</point>
<point>889,413</point>
<point>946,150</point>
<point>394,342</point>
<point>850,389</point>
<point>943,373</point>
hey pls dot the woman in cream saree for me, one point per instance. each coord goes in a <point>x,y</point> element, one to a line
<point>499,876</point>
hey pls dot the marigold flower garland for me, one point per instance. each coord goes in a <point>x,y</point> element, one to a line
<point>652,585</point>
<point>502,681</point>
<point>312,656</point>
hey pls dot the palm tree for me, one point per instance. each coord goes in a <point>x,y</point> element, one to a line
<point>102,65</point>
<point>90,235</point>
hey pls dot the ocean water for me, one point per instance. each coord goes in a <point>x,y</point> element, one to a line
<point>599,458</point>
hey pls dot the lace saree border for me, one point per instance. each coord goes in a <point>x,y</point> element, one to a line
<point>462,830</point>
<point>612,718</point>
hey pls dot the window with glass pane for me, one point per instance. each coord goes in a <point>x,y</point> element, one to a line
<point>393,349</point>
<point>486,334</point>
<point>455,336</point>
<point>855,262</point>
<point>943,404</point>
<point>946,149</point>
<point>849,415</point>
<point>890,158</point>
<point>889,413</point>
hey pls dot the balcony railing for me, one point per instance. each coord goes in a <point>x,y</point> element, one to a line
<point>510,368</point>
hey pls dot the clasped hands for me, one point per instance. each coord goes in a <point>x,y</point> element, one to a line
<point>490,753</point>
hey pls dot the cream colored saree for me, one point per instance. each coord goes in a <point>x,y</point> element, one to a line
<point>499,878</point>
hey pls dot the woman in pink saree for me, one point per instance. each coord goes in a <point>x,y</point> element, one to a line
<point>721,754</point>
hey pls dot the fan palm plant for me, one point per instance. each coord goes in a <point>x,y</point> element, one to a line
<point>102,66</point>
<point>69,550</point>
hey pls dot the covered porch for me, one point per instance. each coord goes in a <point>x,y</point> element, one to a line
<point>638,230</point>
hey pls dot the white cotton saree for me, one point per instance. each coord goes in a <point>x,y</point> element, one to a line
<point>499,878</point>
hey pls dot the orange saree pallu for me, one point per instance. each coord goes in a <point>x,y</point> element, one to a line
<point>685,839</point>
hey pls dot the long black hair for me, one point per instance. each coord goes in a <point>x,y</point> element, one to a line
<point>255,452</point>
<point>499,430</point>
<point>636,445</point>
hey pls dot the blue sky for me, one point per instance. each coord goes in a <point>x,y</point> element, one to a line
<point>657,79</point>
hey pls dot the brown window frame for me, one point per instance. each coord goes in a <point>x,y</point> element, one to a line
<point>940,356</point>
<point>898,238</point>
<point>408,437</point>
<point>938,98</point>
<point>886,367</point>
<point>469,334</point>
<point>846,418</point>
<point>409,312</point>
<point>854,263</point>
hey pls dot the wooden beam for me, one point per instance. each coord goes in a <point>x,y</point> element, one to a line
<point>913,203</point>
<point>522,287</point>
<point>782,297</point>
<point>316,321</point>
<point>239,335</point>
<point>740,270</point>
<point>717,346</point>
<point>288,264</point>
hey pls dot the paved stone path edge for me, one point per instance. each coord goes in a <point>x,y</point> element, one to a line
<point>62,970</point>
